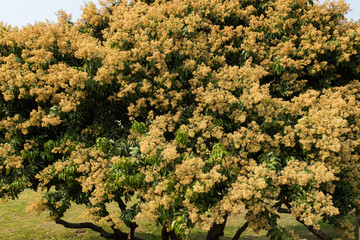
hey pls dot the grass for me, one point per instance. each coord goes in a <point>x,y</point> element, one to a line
<point>16,224</point>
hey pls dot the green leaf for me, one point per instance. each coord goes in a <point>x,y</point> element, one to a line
<point>139,127</point>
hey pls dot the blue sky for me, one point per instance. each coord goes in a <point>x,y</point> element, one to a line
<point>21,12</point>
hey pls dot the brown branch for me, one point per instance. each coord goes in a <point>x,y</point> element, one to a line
<point>320,234</point>
<point>278,204</point>
<point>280,209</point>
<point>132,225</point>
<point>89,225</point>
<point>240,231</point>
<point>120,203</point>
<point>119,235</point>
<point>283,210</point>
<point>287,204</point>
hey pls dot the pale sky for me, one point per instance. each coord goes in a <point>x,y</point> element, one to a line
<point>21,12</point>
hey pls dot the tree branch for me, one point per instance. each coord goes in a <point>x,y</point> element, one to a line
<point>320,234</point>
<point>287,204</point>
<point>120,203</point>
<point>278,204</point>
<point>240,231</point>
<point>119,234</point>
<point>133,226</point>
<point>217,230</point>
<point>283,210</point>
<point>89,225</point>
<point>165,235</point>
<point>280,209</point>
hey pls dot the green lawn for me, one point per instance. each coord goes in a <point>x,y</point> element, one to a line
<point>16,224</point>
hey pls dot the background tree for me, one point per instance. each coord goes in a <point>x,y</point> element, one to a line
<point>195,109</point>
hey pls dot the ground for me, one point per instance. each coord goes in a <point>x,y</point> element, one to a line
<point>16,224</point>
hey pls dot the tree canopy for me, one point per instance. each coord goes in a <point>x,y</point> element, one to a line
<point>186,112</point>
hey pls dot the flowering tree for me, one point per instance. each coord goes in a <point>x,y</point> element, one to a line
<point>186,112</point>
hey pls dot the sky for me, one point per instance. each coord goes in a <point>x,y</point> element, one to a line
<point>22,12</point>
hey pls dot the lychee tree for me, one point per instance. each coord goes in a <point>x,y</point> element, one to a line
<point>186,112</point>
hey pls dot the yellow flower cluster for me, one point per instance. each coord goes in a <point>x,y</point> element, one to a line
<point>320,204</point>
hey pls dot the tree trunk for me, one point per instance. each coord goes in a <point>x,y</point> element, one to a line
<point>165,235</point>
<point>217,230</point>
<point>240,231</point>
<point>133,226</point>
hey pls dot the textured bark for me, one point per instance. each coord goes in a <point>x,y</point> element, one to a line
<point>240,231</point>
<point>133,226</point>
<point>117,235</point>
<point>165,235</point>
<point>89,225</point>
<point>217,230</point>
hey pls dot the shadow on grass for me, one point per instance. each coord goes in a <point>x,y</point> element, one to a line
<point>16,224</point>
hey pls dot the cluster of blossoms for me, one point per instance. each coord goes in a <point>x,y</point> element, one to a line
<point>187,112</point>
